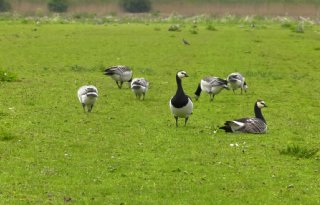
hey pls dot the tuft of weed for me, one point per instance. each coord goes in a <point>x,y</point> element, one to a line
<point>78,68</point>
<point>193,31</point>
<point>210,27</point>
<point>298,151</point>
<point>174,27</point>
<point>7,76</point>
<point>6,136</point>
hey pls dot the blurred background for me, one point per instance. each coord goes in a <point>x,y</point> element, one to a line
<point>306,8</point>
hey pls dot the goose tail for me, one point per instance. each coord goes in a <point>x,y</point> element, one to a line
<point>226,127</point>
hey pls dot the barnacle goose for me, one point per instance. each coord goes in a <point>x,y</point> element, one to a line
<point>181,104</point>
<point>87,96</point>
<point>120,74</point>
<point>139,86</point>
<point>254,125</point>
<point>236,80</point>
<point>212,86</point>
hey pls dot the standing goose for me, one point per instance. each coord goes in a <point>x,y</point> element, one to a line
<point>87,96</point>
<point>120,74</point>
<point>212,86</point>
<point>236,80</point>
<point>256,125</point>
<point>139,86</point>
<point>181,104</point>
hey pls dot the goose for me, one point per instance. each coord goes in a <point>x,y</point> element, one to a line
<point>212,86</point>
<point>236,80</point>
<point>181,104</point>
<point>87,96</point>
<point>139,86</point>
<point>120,74</point>
<point>254,125</point>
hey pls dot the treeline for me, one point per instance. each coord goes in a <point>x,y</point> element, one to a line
<point>137,6</point>
<point>78,2</point>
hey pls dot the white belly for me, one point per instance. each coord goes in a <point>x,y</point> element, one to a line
<point>183,112</point>
<point>124,77</point>
<point>140,90</point>
<point>88,100</point>
<point>235,85</point>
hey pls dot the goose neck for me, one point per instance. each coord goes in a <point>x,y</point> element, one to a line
<point>198,91</point>
<point>258,113</point>
<point>179,84</point>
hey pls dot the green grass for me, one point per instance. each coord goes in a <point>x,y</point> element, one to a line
<point>130,152</point>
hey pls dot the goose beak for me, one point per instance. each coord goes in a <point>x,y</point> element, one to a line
<point>186,75</point>
<point>265,105</point>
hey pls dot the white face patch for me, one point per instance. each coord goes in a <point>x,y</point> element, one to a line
<point>182,74</point>
<point>261,104</point>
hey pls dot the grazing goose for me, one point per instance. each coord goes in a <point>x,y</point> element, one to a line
<point>139,86</point>
<point>212,86</point>
<point>236,80</point>
<point>181,104</point>
<point>254,125</point>
<point>120,74</point>
<point>87,96</point>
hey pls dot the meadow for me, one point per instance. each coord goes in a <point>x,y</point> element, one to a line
<point>129,151</point>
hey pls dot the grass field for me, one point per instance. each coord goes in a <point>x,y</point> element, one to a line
<point>130,152</point>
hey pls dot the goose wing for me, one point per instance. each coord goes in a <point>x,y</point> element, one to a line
<point>119,69</point>
<point>235,77</point>
<point>139,82</point>
<point>255,125</point>
<point>215,81</point>
<point>247,125</point>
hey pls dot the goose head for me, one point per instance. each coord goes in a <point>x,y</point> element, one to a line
<point>182,74</point>
<point>261,104</point>
<point>245,86</point>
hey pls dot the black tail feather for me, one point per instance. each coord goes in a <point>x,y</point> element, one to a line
<point>226,127</point>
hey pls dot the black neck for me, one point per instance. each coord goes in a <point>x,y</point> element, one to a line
<point>198,91</point>
<point>180,89</point>
<point>258,113</point>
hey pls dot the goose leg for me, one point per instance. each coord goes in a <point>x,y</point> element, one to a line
<point>176,121</point>
<point>119,86</point>
<point>211,97</point>
<point>185,121</point>
<point>233,91</point>
<point>143,94</point>
<point>89,110</point>
<point>84,107</point>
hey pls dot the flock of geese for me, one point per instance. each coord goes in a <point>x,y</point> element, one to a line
<point>180,104</point>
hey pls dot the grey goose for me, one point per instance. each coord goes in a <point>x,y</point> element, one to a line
<point>87,96</point>
<point>256,125</point>
<point>120,74</point>
<point>212,86</point>
<point>236,80</point>
<point>180,104</point>
<point>139,86</point>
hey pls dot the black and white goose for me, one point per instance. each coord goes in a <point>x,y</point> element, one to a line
<point>181,104</point>
<point>256,125</point>
<point>140,86</point>
<point>87,95</point>
<point>120,74</point>
<point>212,86</point>
<point>236,80</point>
